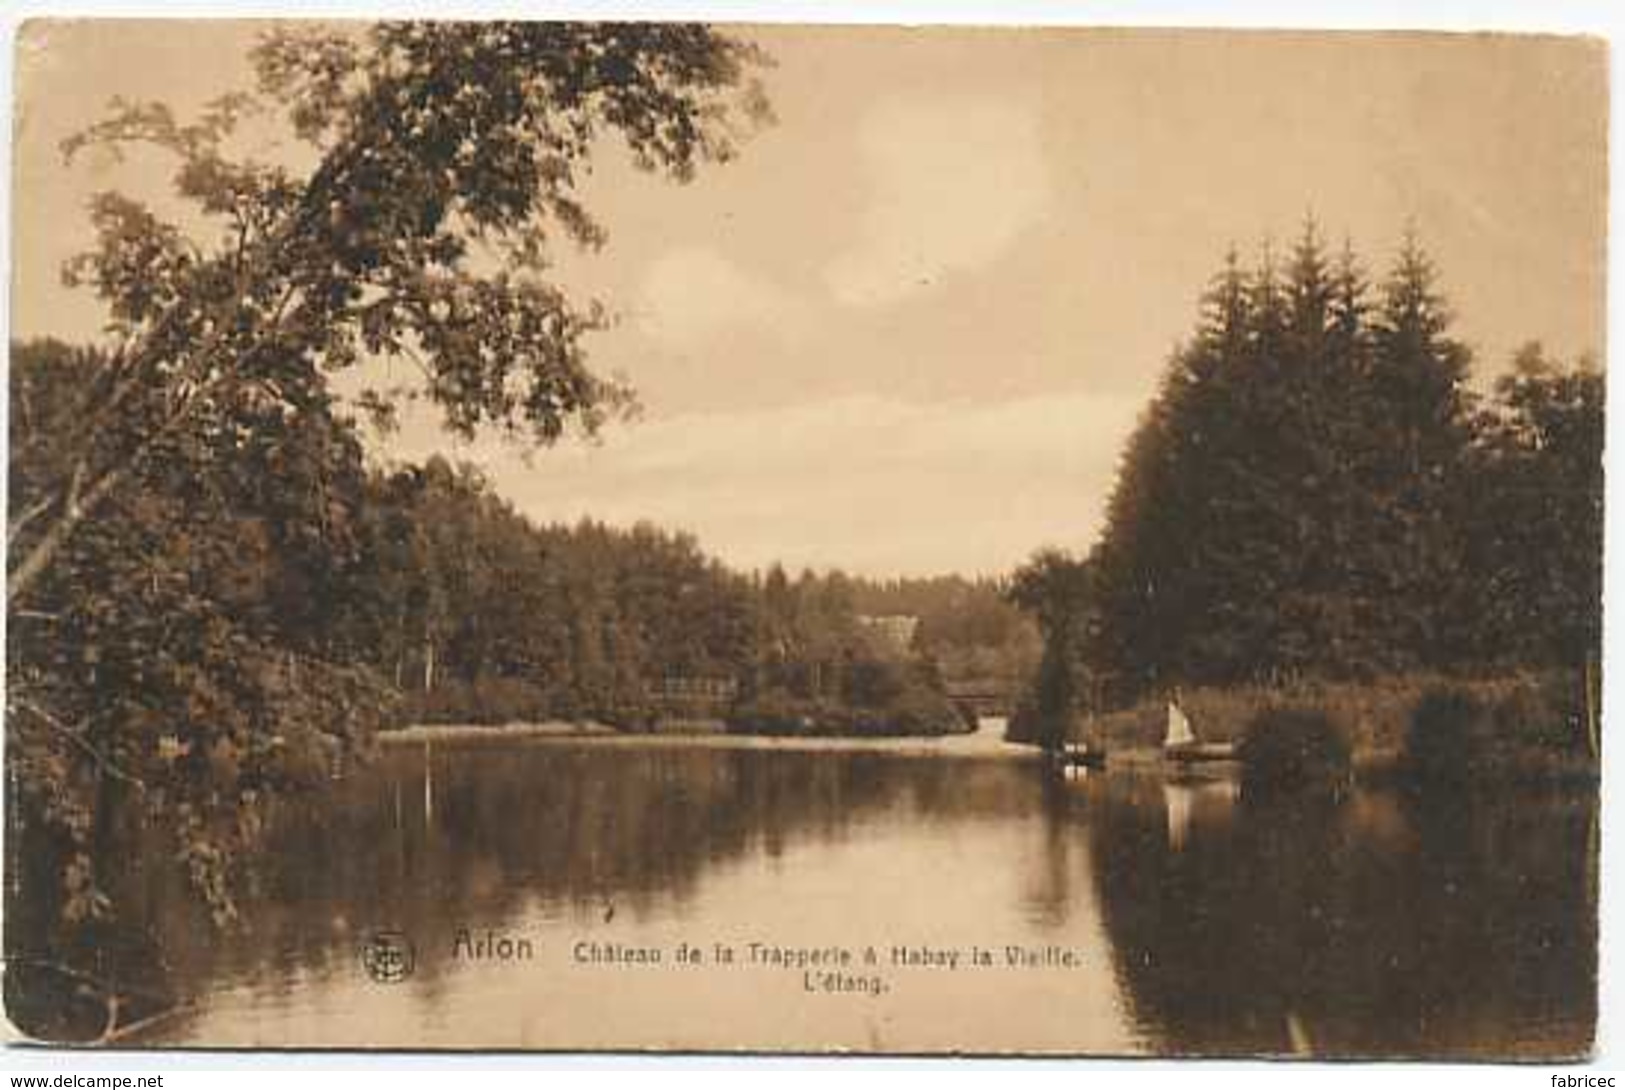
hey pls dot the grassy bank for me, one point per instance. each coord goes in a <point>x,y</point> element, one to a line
<point>1524,725</point>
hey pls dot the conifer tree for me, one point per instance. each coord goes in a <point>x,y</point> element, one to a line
<point>1286,506</point>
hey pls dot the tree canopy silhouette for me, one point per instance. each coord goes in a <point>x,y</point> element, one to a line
<point>1314,491</point>
<point>186,510</point>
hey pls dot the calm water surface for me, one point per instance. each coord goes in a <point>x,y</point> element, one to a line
<point>1201,921</point>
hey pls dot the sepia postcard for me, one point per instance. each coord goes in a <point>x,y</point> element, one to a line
<point>617,536</point>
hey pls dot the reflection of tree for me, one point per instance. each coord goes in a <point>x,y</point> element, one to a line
<point>565,829</point>
<point>1048,894</point>
<point>1462,927</point>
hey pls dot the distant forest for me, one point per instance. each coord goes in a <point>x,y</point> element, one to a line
<point>449,598</point>
<point>1317,492</point>
<point>479,614</point>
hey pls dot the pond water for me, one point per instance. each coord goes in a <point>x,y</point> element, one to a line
<point>1118,913</point>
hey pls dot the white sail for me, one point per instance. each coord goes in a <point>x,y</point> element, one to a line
<point>1179,728</point>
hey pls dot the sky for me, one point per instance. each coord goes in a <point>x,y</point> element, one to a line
<point>910,328</point>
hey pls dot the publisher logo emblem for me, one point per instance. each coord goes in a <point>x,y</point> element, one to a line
<point>388,957</point>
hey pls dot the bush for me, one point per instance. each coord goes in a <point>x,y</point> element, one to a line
<point>918,710</point>
<point>912,709</point>
<point>631,716</point>
<point>1548,713</point>
<point>1294,746</point>
<point>774,712</point>
<point>1451,735</point>
<point>1520,728</point>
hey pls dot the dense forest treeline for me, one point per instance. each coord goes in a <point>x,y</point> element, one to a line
<point>1317,493</point>
<point>449,598</point>
<point>478,614</point>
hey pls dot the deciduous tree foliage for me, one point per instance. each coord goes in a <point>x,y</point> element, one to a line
<point>446,161</point>
<point>176,661</point>
<point>466,596</point>
<point>1057,590</point>
<point>1534,516</point>
<point>186,505</point>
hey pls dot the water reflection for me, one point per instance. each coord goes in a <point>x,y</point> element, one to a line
<point>1211,922</point>
<point>1373,924</point>
<point>1213,797</point>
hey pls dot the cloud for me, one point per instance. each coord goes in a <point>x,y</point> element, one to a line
<point>955,182</point>
<point>692,294</point>
<point>871,484</point>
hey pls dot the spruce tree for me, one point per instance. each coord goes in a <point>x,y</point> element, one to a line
<point>1284,508</point>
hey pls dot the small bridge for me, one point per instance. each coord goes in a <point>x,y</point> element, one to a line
<point>980,697</point>
<point>691,704</point>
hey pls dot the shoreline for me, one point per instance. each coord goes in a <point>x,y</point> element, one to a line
<point>948,745</point>
<point>457,732</point>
